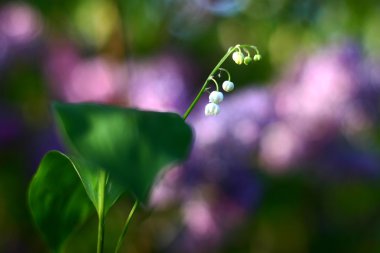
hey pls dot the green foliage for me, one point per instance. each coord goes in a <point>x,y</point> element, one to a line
<point>57,200</point>
<point>133,146</point>
<point>90,178</point>
<point>115,150</point>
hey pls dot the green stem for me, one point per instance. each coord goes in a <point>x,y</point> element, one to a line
<point>126,226</point>
<point>101,223</point>
<point>247,51</point>
<point>188,111</point>
<point>215,82</point>
<point>228,73</point>
<point>195,101</point>
<point>252,47</point>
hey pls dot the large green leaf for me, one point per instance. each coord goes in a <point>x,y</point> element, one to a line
<point>134,146</point>
<point>92,182</point>
<point>57,199</point>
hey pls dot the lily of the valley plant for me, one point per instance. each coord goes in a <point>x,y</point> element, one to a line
<point>113,152</point>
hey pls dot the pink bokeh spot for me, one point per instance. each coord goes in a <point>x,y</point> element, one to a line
<point>157,84</point>
<point>20,23</point>
<point>198,218</point>
<point>90,80</point>
<point>280,147</point>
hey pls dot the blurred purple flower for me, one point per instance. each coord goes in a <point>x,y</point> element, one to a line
<point>20,23</point>
<point>327,95</point>
<point>317,94</point>
<point>298,123</point>
<point>216,187</point>
<point>199,218</point>
<point>76,79</point>
<point>160,83</point>
<point>91,80</point>
<point>168,189</point>
<point>20,27</point>
<point>281,147</point>
<point>312,119</point>
<point>243,115</point>
<point>157,83</point>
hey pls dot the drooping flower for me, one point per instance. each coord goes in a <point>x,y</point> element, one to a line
<point>212,109</point>
<point>228,86</point>
<point>238,57</point>
<point>216,97</point>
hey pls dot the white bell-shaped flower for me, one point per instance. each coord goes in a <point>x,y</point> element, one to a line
<point>238,57</point>
<point>228,86</point>
<point>212,109</point>
<point>215,97</point>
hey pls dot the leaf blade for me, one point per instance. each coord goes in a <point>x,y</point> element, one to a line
<point>57,200</point>
<point>134,146</point>
<point>90,178</point>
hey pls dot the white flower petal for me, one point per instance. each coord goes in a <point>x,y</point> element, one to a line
<point>216,97</point>
<point>228,86</point>
<point>212,109</point>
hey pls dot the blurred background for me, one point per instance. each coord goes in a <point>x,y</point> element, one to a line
<point>292,162</point>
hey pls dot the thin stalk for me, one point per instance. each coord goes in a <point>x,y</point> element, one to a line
<point>195,101</point>
<point>126,226</point>
<point>101,223</point>
<point>188,111</point>
<point>228,73</point>
<point>215,82</point>
<point>252,47</point>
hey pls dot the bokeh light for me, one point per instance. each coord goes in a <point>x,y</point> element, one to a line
<point>291,163</point>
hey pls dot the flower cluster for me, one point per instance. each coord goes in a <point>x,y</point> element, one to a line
<point>239,57</point>
<point>318,110</point>
<point>216,97</point>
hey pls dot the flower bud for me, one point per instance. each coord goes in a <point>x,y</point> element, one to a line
<point>238,57</point>
<point>228,86</point>
<point>216,97</point>
<point>257,57</point>
<point>247,60</point>
<point>212,109</point>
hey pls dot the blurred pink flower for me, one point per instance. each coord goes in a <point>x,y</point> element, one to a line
<point>280,147</point>
<point>328,94</point>
<point>199,220</point>
<point>20,32</point>
<point>20,23</point>
<point>167,190</point>
<point>242,117</point>
<point>90,80</point>
<point>76,79</point>
<point>160,83</point>
<point>314,99</point>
